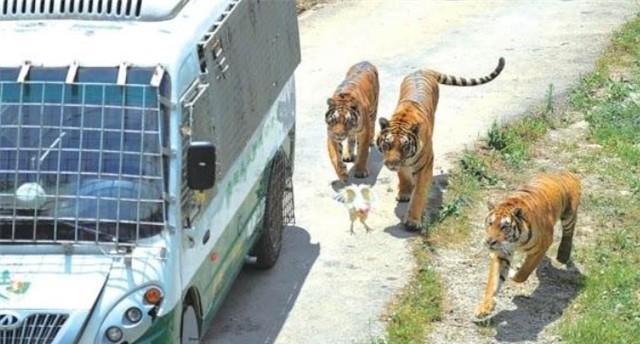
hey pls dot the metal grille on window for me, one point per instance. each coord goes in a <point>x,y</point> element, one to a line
<point>39,328</point>
<point>81,162</point>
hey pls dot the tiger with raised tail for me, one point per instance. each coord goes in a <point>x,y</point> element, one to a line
<point>406,139</point>
<point>524,222</point>
<point>351,116</point>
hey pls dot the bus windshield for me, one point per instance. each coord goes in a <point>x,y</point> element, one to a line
<point>81,161</point>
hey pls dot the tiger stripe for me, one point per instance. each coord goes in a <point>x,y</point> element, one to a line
<point>528,239</point>
<point>451,80</point>
<point>505,261</point>
<point>566,243</point>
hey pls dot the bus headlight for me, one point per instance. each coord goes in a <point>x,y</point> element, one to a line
<point>133,314</point>
<point>114,334</point>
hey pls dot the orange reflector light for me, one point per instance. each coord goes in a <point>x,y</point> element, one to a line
<point>153,296</point>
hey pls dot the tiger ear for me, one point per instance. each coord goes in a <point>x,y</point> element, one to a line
<point>384,123</point>
<point>416,129</point>
<point>490,205</point>
<point>519,213</point>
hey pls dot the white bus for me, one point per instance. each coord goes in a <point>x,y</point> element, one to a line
<point>146,154</point>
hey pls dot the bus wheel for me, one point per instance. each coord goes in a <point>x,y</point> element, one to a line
<point>267,248</point>
<point>190,332</point>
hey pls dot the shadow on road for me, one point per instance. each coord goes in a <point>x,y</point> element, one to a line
<point>374,165</point>
<point>547,303</point>
<point>258,313</point>
<point>434,203</point>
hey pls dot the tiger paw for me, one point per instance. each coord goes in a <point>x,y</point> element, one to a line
<point>518,278</point>
<point>482,322</point>
<point>513,271</point>
<point>343,176</point>
<point>361,174</point>
<point>403,198</point>
<point>484,310</point>
<point>412,226</point>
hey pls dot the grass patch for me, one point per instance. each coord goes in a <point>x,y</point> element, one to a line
<point>614,119</point>
<point>608,310</point>
<point>452,223</point>
<point>513,140</point>
<point>418,305</point>
<point>625,46</point>
<point>474,169</point>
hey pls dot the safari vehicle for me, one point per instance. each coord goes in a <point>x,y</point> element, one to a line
<point>146,150</point>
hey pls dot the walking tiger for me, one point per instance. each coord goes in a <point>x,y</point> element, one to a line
<point>406,139</point>
<point>351,116</point>
<point>524,221</point>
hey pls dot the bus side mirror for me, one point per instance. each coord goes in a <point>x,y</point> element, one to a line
<point>201,166</point>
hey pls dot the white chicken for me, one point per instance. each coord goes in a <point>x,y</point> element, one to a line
<point>359,200</point>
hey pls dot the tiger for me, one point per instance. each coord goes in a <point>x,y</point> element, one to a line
<point>524,221</point>
<point>351,116</point>
<point>405,140</point>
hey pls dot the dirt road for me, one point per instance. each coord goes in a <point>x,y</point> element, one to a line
<point>330,286</point>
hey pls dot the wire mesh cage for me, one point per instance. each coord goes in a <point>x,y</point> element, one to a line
<point>282,175</point>
<point>81,162</point>
<point>289,204</point>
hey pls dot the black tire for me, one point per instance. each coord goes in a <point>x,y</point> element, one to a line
<point>267,248</point>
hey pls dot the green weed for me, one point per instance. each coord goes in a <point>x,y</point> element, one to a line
<point>472,164</point>
<point>549,107</point>
<point>496,137</point>
<point>419,304</point>
<point>514,140</point>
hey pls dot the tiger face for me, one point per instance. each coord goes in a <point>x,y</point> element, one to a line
<point>504,228</point>
<point>343,118</point>
<point>397,143</point>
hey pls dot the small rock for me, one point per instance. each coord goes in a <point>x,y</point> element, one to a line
<point>591,146</point>
<point>580,125</point>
